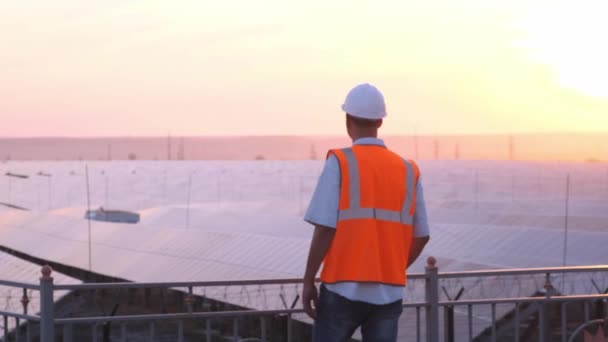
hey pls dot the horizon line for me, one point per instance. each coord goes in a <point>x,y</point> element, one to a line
<point>296,135</point>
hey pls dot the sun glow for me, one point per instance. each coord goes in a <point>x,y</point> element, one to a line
<point>570,37</point>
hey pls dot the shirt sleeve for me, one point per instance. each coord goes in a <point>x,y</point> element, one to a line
<point>421,224</point>
<point>324,204</point>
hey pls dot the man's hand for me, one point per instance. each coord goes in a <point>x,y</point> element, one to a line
<point>417,246</point>
<point>309,299</point>
<point>321,241</point>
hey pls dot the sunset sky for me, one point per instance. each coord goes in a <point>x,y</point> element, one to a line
<point>241,67</point>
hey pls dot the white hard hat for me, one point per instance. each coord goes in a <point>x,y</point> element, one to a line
<point>366,102</point>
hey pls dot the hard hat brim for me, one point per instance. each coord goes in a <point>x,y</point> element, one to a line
<point>378,116</point>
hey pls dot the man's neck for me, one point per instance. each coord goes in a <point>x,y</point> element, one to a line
<point>363,136</point>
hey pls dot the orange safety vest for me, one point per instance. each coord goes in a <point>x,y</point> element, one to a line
<point>377,204</point>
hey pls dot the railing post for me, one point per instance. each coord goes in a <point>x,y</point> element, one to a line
<point>47,310</point>
<point>208,330</point>
<point>68,333</point>
<point>432,300</point>
<point>190,300</point>
<point>25,302</point>
<point>544,320</point>
<point>448,315</point>
<point>289,328</point>
<point>5,328</point>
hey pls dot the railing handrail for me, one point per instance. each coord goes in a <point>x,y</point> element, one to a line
<point>520,271</point>
<point>18,284</point>
<point>219,283</point>
<point>285,281</point>
<point>514,300</point>
<point>136,285</point>
<point>18,315</point>
<point>180,315</point>
<point>431,304</point>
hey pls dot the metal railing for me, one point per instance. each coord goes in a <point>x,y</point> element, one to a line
<point>536,314</point>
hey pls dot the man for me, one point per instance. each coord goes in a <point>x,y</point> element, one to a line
<point>370,225</point>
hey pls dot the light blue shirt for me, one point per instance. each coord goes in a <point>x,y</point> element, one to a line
<point>323,211</point>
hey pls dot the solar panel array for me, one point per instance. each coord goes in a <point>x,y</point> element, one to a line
<point>242,220</point>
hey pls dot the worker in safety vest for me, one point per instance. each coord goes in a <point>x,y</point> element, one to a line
<point>370,225</point>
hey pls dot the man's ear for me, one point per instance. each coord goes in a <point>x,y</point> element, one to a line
<point>379,124</point>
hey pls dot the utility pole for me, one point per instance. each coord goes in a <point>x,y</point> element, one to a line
<point>189,198</point>
<point>313,152</point>
<point>416,145</point>
<point>566,214</point>
<point>50,191</point>
<point>50,187</point>
<point>301,195</point>
<point>11,175</point>
<point>165,197</point>
<point>477,191</point>
<point>180,151</point>
<point>10,189</point>
<point>107,188</point>
<point>218,183</point>
<point>169,146</point>
<point>86,171</point>
<point>512,185</point>
<point>109,151</point>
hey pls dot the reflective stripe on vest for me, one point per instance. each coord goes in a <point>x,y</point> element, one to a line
<point>356,212</point>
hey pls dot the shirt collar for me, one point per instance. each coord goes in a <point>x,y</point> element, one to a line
<point>369,141</point>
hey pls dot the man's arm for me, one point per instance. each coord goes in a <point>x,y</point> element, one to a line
<point>421,226</point>
<point>418,244</point>
<point>321,241</point>
<point>323,214</point>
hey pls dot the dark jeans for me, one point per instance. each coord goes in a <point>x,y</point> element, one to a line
<point>338,318</point>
